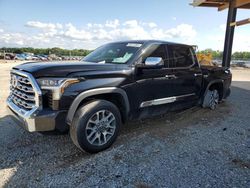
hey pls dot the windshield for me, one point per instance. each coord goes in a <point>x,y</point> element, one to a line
<point>117,53</point>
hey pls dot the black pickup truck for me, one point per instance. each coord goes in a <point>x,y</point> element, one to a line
<point>117,82</point>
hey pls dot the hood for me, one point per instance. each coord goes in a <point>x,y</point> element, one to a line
<point>64,69</point>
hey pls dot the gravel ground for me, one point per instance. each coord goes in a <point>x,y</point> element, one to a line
<point>193,148</point>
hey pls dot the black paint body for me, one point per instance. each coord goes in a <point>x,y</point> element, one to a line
<point>140,83</point>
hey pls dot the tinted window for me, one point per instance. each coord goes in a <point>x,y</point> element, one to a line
<point>159,51</point>
<point>181,56</point>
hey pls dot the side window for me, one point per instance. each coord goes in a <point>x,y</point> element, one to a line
<point>181,56</point>
<point>192,54</point>
<point>160,51</point>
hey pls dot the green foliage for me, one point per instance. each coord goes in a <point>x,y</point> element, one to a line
<point>219,54</point>
<point>215,54</point>
<point>47,51</point>
<point>82,52</point>
<point>241,55</point>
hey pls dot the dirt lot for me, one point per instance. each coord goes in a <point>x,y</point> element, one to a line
<point>194,148</point>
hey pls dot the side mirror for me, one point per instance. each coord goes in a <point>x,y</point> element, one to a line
<point>154,62</point>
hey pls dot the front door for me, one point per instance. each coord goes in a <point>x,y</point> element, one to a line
<point>153,86</point>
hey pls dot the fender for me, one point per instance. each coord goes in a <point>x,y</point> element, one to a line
<point>92,92</point>
<point>211,83</point>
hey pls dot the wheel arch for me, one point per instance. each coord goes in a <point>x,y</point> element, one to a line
<point>218,84</point>
<point>115,95</point>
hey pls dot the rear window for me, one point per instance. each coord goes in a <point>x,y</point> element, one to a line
<point>181,56</point>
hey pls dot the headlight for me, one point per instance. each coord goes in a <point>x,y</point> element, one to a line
<point>56,85</point>
<point>51,82</point>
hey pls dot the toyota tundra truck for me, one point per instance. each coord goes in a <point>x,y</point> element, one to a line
<point>117,82</point>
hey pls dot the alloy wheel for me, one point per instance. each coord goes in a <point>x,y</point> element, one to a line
<point>100,127</point>
<point>214,99</point>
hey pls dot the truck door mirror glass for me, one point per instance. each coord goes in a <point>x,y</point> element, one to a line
<point>154,62</point>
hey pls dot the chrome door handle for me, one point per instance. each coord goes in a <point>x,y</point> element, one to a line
<point>197,74</point>
<point>171,76</point>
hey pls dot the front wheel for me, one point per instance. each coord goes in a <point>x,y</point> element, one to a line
<point>95,126</point>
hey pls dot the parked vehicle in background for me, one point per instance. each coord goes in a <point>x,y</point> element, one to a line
<point>241,64</point>
<point>20,57</point>
<point>41,57</point>
<point>115,83</point>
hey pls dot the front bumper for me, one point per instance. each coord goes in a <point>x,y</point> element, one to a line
<point>44,120</point>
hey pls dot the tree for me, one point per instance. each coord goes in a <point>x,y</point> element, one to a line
<point>46,51</point>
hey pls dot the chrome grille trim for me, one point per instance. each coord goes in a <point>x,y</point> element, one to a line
<point>25,95</point>
<point>19,102</point>
<point>25,88</point>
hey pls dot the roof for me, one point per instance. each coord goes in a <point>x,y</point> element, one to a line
<point>150,41</point>
<point>221,4</point>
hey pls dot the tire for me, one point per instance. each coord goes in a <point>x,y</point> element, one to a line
<point>211,99</point>
<point>95,126</point>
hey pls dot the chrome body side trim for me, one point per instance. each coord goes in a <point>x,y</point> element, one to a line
<point>164,100</point>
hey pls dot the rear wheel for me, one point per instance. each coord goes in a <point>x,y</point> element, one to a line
<point>214,99</point>
<point>211,99</point>
<point>95,126</point>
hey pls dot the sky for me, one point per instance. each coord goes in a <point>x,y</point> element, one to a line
<point>88,24</point>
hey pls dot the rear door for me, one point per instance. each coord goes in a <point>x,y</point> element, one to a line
<point>187,73</point>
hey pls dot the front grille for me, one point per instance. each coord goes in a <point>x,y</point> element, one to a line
<point>50,100</point>
<point>22,92</point>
